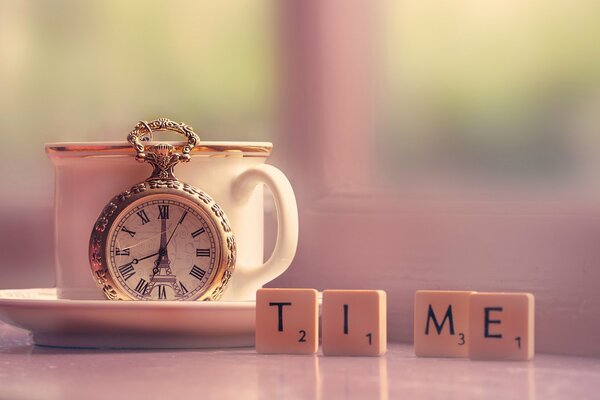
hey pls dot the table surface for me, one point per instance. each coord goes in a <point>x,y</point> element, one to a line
<point>32,372</point>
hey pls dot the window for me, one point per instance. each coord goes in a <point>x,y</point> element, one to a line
<point>496,91</point>
<point>448,145</point>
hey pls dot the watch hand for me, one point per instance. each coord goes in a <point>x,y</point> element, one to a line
<point>137,260</point>
<point>176,226</point>
<point>162,252</point>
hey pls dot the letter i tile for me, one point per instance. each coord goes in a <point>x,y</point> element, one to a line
<point>354,323</point>
<point>287,321</point>
<point>501,326</point>
<point>441,323</point>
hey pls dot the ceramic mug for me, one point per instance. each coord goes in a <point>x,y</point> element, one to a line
<point>88,175</point>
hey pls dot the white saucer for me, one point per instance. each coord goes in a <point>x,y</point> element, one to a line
<point>125,324</point>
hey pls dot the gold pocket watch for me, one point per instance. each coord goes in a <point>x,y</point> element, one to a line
<point>162,239</point>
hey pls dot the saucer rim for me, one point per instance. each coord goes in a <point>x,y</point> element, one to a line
<point>109,324</point>
<point>54,301</point>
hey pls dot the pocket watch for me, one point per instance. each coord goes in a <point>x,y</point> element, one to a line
<point>162,239</point>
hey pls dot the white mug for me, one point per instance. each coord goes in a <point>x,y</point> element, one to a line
<point>88,175</point>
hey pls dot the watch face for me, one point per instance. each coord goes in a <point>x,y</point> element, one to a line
<point>163,248</point>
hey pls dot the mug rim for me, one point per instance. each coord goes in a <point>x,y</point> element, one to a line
<point>125,149</point>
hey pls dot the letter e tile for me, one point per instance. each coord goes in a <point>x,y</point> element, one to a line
<point>287,321</point>
<point>441,322</point>
<point>354,323</point>
<point>501,326</point>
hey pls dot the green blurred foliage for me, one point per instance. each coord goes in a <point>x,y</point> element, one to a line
<point>499,86</point>
<point>88,70</point>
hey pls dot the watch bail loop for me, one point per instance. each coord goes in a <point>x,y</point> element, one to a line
<point>143,132</point>
<point>162,156</point>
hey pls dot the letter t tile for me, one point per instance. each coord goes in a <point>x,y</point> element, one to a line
<point>287,321</point>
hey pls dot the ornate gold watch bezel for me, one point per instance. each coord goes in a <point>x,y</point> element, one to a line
<point>161,182</point>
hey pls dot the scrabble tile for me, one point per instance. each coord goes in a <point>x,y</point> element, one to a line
<point>354,322</point>
<point>287,321</point>
<point>440,323</point>
<point>501,326</point>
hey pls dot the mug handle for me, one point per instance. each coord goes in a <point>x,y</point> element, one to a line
<point>252,277</point>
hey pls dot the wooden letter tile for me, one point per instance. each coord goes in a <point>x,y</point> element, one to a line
<point>354,322</point>
<point>501,326</point>
<point>441,322</point>
<point>287,321</point>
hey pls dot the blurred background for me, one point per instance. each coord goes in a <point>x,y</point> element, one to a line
<point>378,111</point>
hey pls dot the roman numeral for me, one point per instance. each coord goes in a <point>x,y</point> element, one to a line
<point>141,286</point>
<point>202,252</point>
<point>183,288</point>
<point>198,232</point>
<point>162,292</point>
<point>163,211</point>
<point>142,214</point>
<point>131,233</point>
<point>197,273</point>
<point>127,271</point>
<point>182,217</point>
<point>122,252</point>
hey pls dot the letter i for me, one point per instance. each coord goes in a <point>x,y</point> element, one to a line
<point>345,319</point>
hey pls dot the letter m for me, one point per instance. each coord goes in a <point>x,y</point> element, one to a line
<point>439,327</point>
